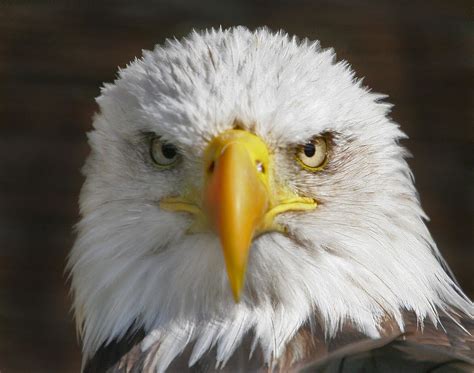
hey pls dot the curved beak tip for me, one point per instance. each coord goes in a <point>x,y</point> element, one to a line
<point>236,291</point>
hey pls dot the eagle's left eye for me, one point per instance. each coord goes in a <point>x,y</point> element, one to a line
<point>162,153</point>
<point>313,155</point>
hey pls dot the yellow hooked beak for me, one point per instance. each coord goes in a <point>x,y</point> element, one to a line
<point>240,199</point>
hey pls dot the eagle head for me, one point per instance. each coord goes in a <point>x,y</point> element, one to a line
<point>246,182</point>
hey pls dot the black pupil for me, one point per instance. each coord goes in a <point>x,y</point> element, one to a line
<point>169,151</point>
<point>309,150</point>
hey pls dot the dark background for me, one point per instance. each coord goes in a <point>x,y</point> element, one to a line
<point>54,55</point>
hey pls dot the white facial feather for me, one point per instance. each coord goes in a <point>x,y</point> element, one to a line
<point>362,255</point>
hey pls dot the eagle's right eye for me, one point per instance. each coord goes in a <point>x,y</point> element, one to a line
<point>162,153</point>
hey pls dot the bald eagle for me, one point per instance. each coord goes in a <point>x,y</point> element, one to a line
<point>247,207</point>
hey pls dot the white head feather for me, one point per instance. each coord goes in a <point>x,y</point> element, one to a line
<point>363,254</point>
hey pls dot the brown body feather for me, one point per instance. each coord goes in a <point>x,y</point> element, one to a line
<point>447,347</point>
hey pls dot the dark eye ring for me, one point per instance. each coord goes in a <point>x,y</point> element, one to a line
<point>312,156</point>
<point>162,153</point>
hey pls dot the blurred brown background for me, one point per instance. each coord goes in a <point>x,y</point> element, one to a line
<point>54,55</point>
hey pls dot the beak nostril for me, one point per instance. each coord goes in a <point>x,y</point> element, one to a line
<point>210,169</point>
<point>260,167</point>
